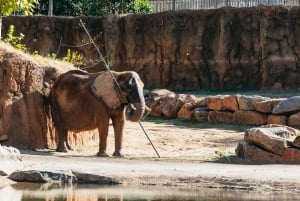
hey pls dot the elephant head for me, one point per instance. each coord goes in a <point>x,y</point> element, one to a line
<point>129,92</point>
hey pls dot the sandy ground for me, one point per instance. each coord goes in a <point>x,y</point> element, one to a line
<point>188,158</point>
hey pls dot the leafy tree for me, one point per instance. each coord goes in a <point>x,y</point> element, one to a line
<point>7,7</point>
<point>94,7</point>
<point>142,6</point>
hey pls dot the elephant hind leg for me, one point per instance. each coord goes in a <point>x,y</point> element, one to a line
<point>63,144</point>
<point>103,133</point>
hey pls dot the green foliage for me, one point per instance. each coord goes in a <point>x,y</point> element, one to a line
<point>142,6</point>
<point>74,57</point>
<point>52,55</point>
<point>15,41</point>
<point>94,7</point>
<point>222,155</point>
<point>7,7</point>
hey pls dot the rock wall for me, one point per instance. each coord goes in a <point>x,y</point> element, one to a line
<point>25,83</point>
<point>241,109</point>
<point>226,48</point>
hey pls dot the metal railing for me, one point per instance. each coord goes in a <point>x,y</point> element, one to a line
<point>166,5</point>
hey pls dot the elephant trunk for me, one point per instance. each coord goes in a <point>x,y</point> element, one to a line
<point>136,111</point>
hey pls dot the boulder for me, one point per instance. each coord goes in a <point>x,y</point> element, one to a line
<point>252,153</point>
<point>201,102</point>
<point>61,177</point>
<point>288,106</point>
<point>223,102</point>
<point>186,111</point>
<point>277,119</point>
<point>294,119</point>
<point>156,107</point>
<point>230,103</point>
<point>221,116</point>
<point>267,105</point>
<point>215,102</point>
<point>248,102</point>
<point>293,132</point>
<point>164,103</point>
<point>43,176</point>
<point>159,93</point>
<point>250,117</point>
<point>11,160</point>
<point>189,98</point>
<point>172,106</point>
<point>272,139</point>
<point>291,155</point>
<point>94,178</point>
<point>201,114</point>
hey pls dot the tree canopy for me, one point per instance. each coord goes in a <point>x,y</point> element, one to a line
<point>7,7</point>
<point>94,7</point>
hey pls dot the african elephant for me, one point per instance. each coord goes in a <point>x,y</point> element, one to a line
<point>83,101</point>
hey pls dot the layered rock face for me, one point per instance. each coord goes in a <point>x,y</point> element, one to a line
<point>25,83</point>
<point>226,48</point>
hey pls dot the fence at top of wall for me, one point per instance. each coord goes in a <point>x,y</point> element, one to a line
<point>167,5</point>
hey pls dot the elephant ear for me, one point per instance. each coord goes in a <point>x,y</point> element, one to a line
<point>104,88</point>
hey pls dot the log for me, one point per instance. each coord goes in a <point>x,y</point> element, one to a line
<point>268,139</point>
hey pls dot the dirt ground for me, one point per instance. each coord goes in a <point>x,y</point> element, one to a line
<point>175,140</point>
<point>179,142</point>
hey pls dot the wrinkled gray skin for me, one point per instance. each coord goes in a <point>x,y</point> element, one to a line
<point>82,101</point>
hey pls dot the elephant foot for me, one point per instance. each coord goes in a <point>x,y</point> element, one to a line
<point>118,154</point>
<point>62,148</point>
<point>69,147</point>
<point>102,154</point>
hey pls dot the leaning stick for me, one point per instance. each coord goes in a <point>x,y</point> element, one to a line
<point>115,80</point>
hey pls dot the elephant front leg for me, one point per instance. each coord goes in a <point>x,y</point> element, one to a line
<point>118,124</point>
<point>103,133</point>
<point>62,140</point>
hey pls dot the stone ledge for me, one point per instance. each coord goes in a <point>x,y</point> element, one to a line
<point>252,110</point>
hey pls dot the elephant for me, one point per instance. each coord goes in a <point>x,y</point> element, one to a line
<point>83,101</point>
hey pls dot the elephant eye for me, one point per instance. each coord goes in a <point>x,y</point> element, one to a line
<point>130,82</point>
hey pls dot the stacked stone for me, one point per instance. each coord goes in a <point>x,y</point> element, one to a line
<point>270,144</point>
<point>243,109</point>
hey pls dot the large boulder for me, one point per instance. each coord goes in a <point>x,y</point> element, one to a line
<point>221,116</point>
<point>287,106</point>
<point>248,102</point>
<point>277,119</point>
<point>223,102</point>
<point>267,105</point>
<point>272,139</point>
<point>250,117</point>
<point>250,152</point>
<point>65,176</point>
<point>294,119</point>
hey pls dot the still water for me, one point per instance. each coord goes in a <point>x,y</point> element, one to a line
<point>46,192</point>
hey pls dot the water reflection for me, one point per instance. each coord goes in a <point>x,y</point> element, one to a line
<point>55,192</point>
